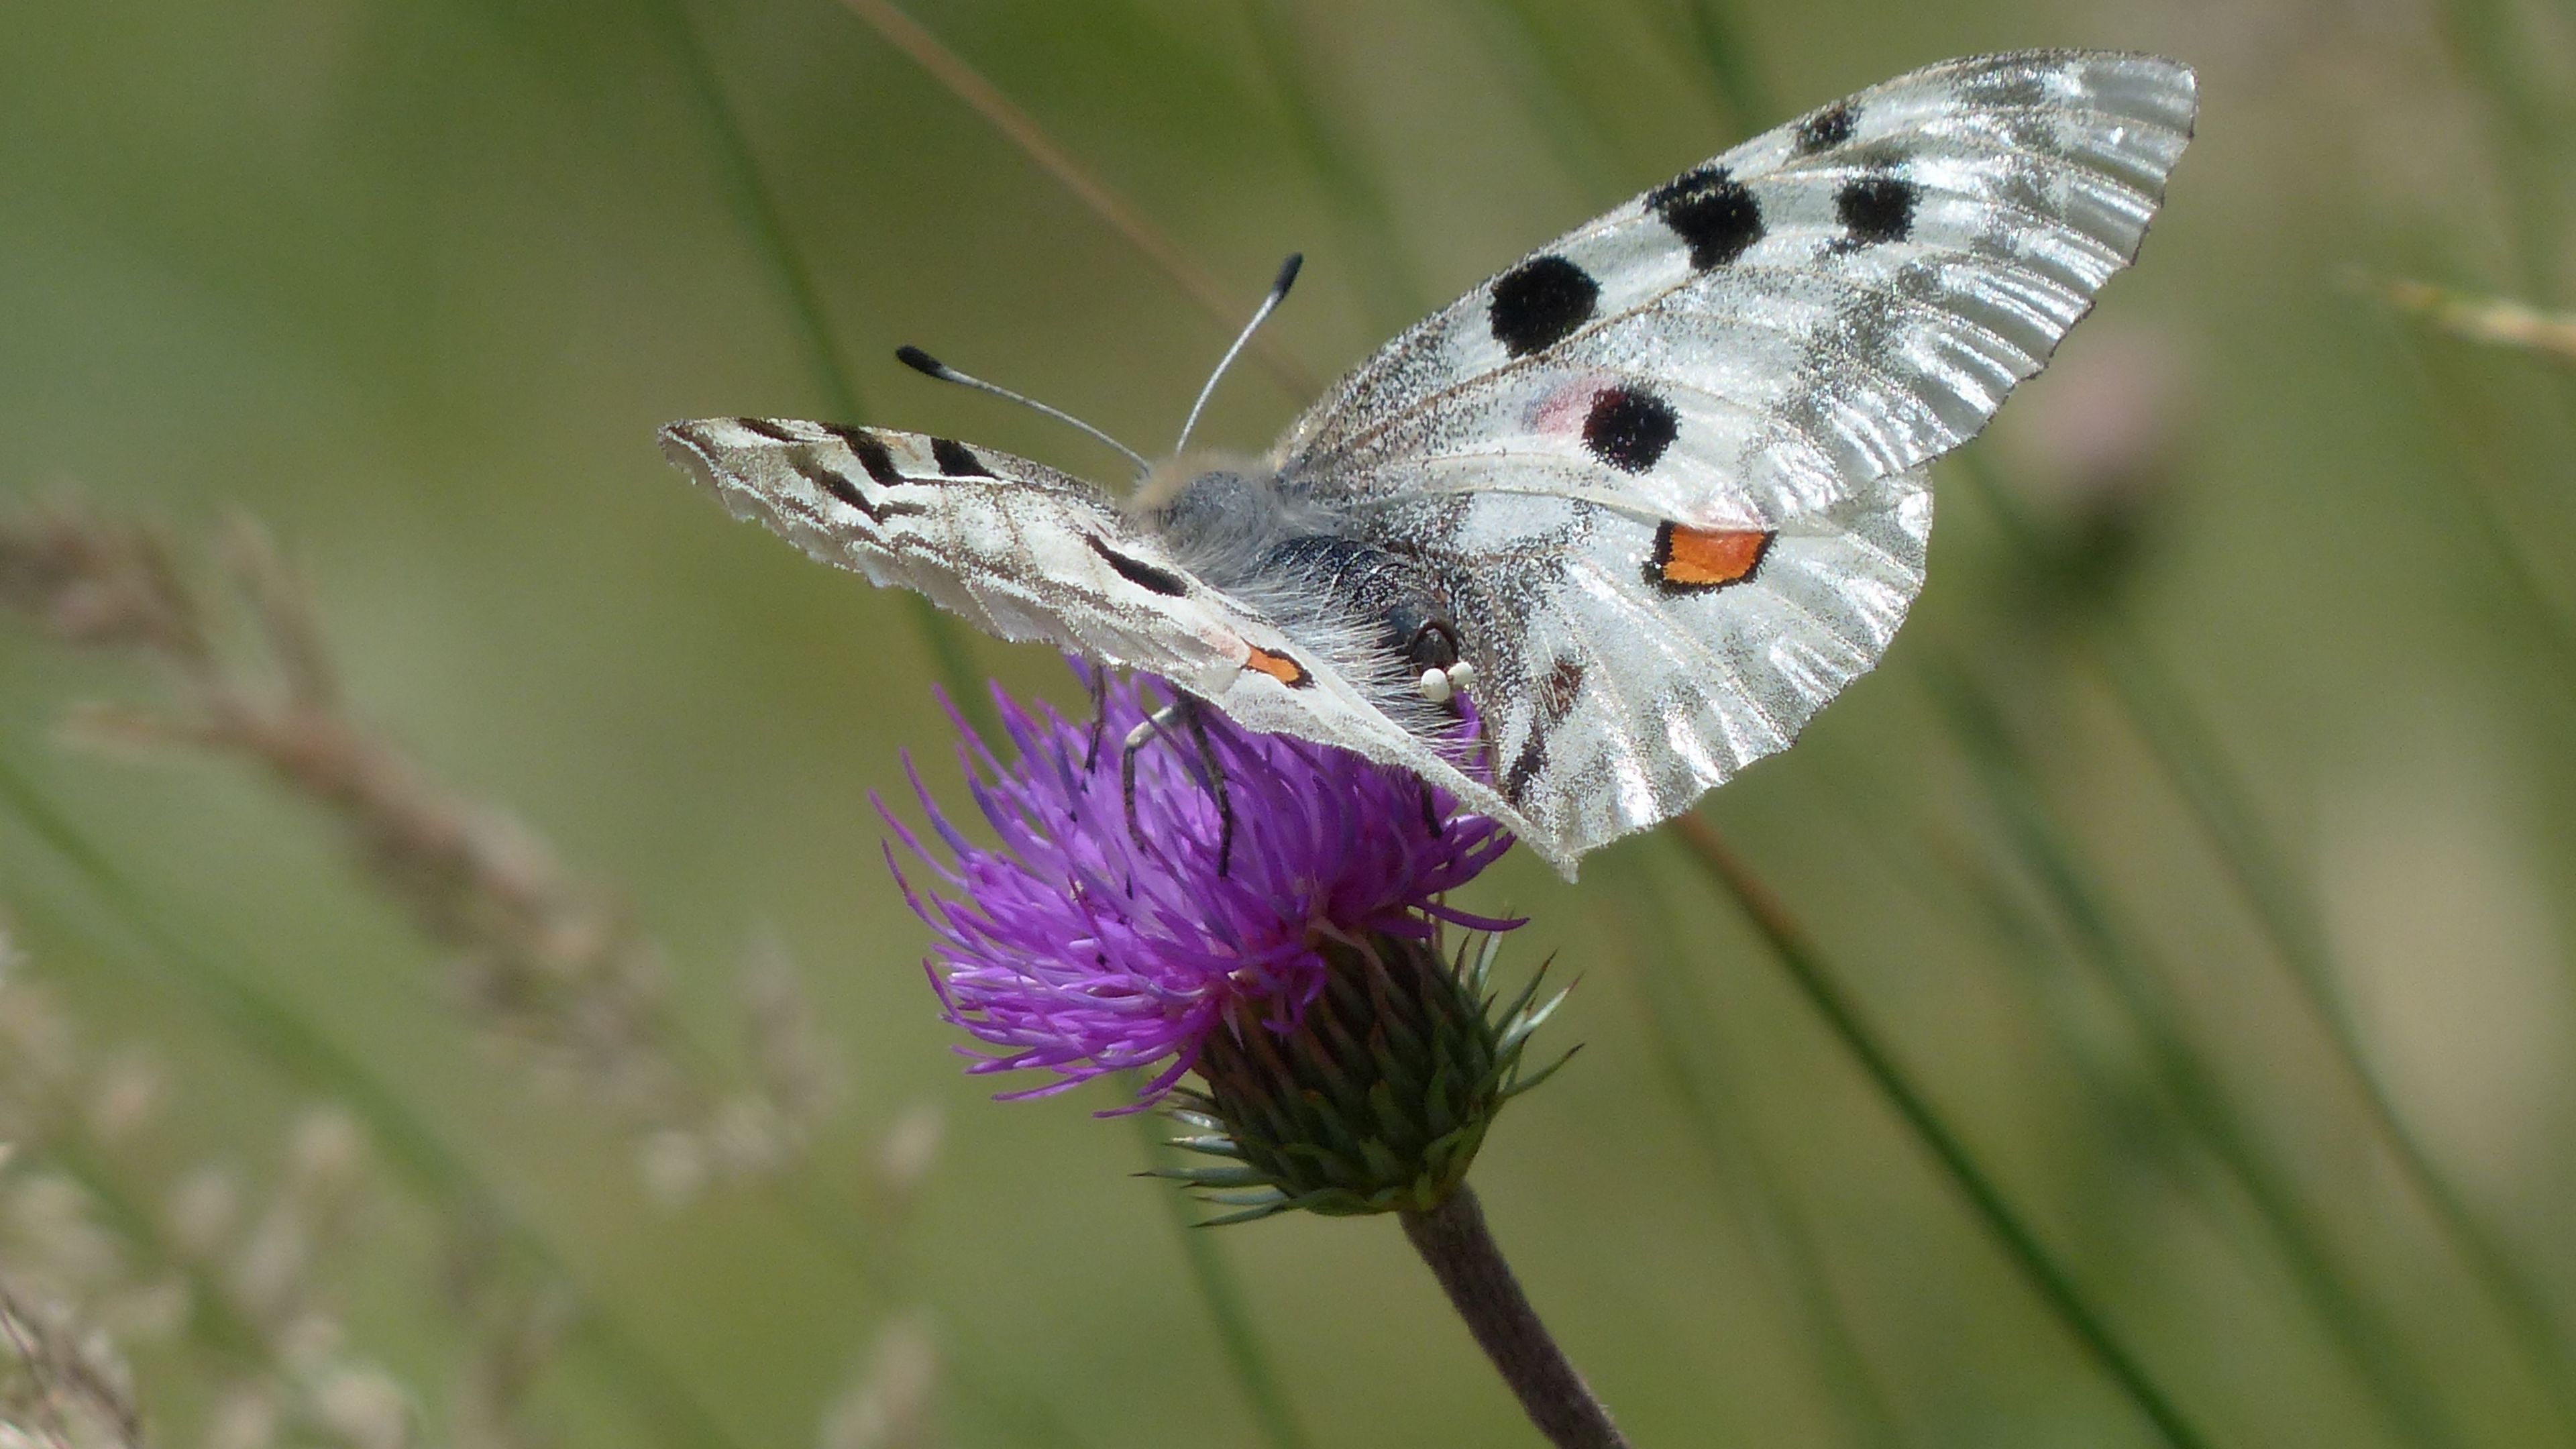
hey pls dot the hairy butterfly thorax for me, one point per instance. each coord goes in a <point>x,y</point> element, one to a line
<point>1239,526</point>
<point>1646,500</point>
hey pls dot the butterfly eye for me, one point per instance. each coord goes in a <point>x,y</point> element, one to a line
<point>1444,675</point>
<point>1433,642</point>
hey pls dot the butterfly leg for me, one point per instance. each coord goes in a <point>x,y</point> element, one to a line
<point>1184,712</point>
<point>1099,722</point>
<point>1216,787</point>
<point>1137,739</point>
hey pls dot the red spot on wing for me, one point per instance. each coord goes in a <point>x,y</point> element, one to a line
<point>1278,666</point>
<point>1561,413</point>
<point>1706,558</point>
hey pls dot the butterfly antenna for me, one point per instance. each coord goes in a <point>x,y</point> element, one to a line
<point>1269,304</point>
<point>922,362</point>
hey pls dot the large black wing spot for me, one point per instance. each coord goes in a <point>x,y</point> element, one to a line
<point>1540,303</point>
<point>1711,212</point>
<point>1629,429</point>
<point>1877,209</point>
<point>1136,571</point>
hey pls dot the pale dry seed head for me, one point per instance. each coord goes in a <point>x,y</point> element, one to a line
<point>549,965</point>
<point>889,1407</point>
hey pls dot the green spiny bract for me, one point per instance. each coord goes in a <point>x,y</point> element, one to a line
<point>1377,1101</point>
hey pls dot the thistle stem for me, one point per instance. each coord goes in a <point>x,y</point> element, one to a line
<point>1454,1240</point>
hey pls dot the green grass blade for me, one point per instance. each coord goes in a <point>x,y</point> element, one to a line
<point>1222,305</point>
<point>2210,788</point>
<point>950,649</point>
<point>1816,982</point>
<point>2187,749</point>
<point>1734,74</point>
<point>2533,603</point>
<point>1690,1050</point>
<point>1542,76</point>
<point>2117,956</point>
<point>1387,278</point>
<point>2490,45</point>
<point>1222,1293</point>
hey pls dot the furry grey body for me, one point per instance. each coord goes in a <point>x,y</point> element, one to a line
<point>1239,525</point>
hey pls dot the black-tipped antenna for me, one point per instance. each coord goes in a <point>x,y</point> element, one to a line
<point>922,362</point>
<point>1269,304</point>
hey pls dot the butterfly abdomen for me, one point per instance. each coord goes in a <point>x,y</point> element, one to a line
<point>1386,591</point>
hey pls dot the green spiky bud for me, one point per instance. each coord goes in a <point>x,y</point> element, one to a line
<point>1377,1101</point>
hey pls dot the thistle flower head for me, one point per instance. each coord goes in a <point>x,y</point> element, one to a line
<point>1347,1064</point>
<point>1078,946</point>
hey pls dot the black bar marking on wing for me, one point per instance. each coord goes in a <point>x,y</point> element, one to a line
<point>956,460</point>
<point>1138,572</point>
<point>831,480</point>
<point>870,450</point>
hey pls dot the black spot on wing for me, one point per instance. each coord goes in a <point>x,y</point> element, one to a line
<point>1824,130</point>
<point>1540,303</point>
<point>766,428</point>
<point>956,460</point>
<point>1877,209</point>
<point>1711,212</point>
<point>1629,429</point>
<point>1138,572</point>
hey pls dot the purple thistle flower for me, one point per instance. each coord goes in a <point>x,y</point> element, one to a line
<point>1074,946</point>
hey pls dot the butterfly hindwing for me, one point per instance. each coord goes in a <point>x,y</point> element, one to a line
<point>1627,687</point>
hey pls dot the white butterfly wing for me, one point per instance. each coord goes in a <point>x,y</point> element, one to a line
<point>1668,466</point>
<point>1844,297</point>
<point>1026,552</point>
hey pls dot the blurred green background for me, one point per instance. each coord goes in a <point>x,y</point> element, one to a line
<point>2229,746</point>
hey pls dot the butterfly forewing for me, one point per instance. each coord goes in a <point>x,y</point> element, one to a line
<point>1845,297</point>
<point>1027,552</point>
